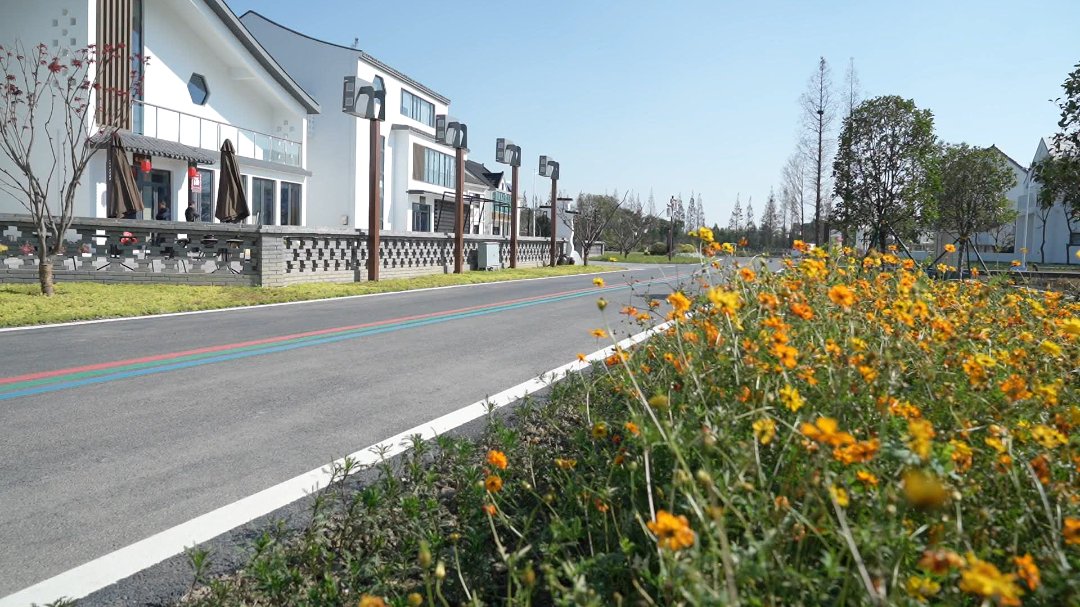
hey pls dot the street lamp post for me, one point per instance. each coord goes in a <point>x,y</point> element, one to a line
<point>671,228</point>
<point>368,100</point>
<point>550,168</point>
<point>452,132</point>
<point>508,153</point>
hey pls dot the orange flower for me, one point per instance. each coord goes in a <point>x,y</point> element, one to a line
<point>490,509</point>
<point>923,489</point>
<point>1015,388</point>
<point>599,333</point>
<point>371,601</point>
<point>866,478</point>
<point>632,428</point>
<point>747,274</point>
<point>493,483</point>
<point>497,459</point>
<point>921,432</point>
<point>940,561</point>
<point>842,296</point>
<point>1027,570</point>
<point>826,430</point>
<point>1071,530</point>
<point>789,357</point>
<point>860,452</point>
<point>950,248</point>
<point>672,532</point>
<point>679,303</point>
<point>802,310</point>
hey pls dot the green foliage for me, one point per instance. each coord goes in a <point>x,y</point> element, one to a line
<point>886,168</point>
<point>657,248</point>
<point>972,198</point>
<point>686,248</point>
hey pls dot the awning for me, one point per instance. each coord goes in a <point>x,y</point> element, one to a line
<point>159,148</point>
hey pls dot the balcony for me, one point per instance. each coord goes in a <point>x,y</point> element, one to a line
<point>171,125</point>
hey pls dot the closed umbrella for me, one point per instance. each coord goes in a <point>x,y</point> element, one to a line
<point>232,205</point>
<point>124,197</point>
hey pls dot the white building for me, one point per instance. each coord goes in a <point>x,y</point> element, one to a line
<point>418,173</point>
<point>1047,234</point>
<point>206,79</point>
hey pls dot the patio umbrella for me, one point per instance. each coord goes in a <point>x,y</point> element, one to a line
<point>232,205</point>
<point>124,196</point>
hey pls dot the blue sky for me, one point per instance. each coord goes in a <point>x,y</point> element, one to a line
<point>676,96</point>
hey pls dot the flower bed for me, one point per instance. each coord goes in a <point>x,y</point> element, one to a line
<point>844,432</point>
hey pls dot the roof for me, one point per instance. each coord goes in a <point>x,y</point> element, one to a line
<point>362,55</point>
<point>151,146</point>
<point>484,174</point>
<point>261,56</point>
<point>1007,157</point>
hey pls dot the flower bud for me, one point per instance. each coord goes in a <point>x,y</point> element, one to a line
<point>440,570</point>
<point>424,558</point>
<point>415,599</point>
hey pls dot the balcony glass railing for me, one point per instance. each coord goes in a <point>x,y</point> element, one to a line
<point>172,125</point>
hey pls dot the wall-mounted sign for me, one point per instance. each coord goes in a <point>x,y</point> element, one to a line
<point>196,184</point>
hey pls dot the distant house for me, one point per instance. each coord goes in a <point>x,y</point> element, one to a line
<point>206,80</point>
<point>1046,233</point>
<point>488,196</point>
<point>418,172</point>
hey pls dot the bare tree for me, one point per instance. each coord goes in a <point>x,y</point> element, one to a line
<point>819,110</point>
<point>793,191</point>
<point>735,222</point>
<point>49,131</point>
<point>770,220</point>
<point>594,213</point>
<point>631,224</point>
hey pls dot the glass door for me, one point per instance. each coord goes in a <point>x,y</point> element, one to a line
<point>204,200</point>
<point>156,189</point>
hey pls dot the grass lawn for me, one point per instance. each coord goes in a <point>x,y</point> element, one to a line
<point>22,304</point>
<point>645,258</point>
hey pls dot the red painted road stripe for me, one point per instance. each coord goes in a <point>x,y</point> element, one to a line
<point>269,340</point>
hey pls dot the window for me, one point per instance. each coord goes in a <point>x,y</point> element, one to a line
<point>421,216</point>
<point>198,90</point>
<point>433,166</point>
<point>262,200</point>
<point>204,199</point>
<point>290,203</point>
<point>416,108</point>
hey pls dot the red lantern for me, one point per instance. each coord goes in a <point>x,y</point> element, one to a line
<point>145,165</point>
<point>192,172</point>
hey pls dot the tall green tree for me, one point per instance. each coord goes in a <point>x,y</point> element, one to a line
<point>972,198</point>
<point>771,223</point>
<point>886,168</point>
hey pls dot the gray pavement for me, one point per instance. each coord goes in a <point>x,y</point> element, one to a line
<point>90,469</point>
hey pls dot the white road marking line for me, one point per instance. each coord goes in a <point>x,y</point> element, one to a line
<point>96,321</point>
<point>115,566</point>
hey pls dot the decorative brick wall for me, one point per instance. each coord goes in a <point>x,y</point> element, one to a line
<point>120,250</point>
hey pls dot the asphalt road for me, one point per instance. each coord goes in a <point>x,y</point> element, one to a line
<point>112,432</point>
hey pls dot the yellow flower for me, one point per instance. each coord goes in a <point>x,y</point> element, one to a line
<point>728,248</point>
<point>493,483</point>
<point>961,455</point>
<point>764,430</point>
<point>659,401</point>
<point>1048,437</point>
<point>922,436</point>
<point>950,248</point>
<point>598,281</point>
<point>599,430</point>
<point>599,333</point>
<point>415,599</point>
<point>1015,263</point>
<point>791,399</point>
<point>1071,326</point>
<point>497,459</point>
<point>1027,570</point>
<point>1050,348</point>
<point>565,464</point>
<point>923,489</point>
<point>679,303</point>
<point>984,579</point>
<point>842,296</point>
<point>371,601</point>
<point>840,495</point>
<point>922,588</point>
<point>727,302</point>
<point>672,532</point>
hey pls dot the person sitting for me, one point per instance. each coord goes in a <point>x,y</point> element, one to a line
<point>162,211</point>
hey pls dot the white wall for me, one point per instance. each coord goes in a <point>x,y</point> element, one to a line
<point>338,144</point>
